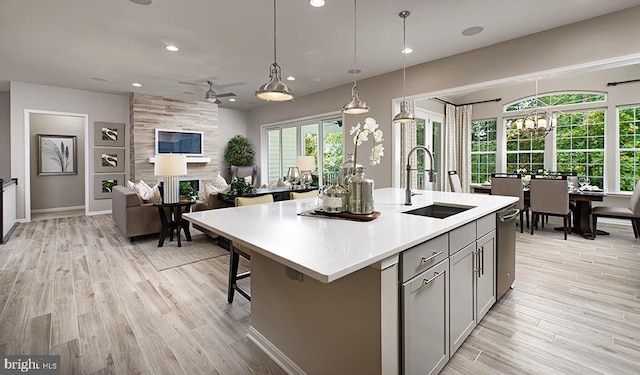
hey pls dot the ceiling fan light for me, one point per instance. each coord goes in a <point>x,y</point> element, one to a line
<point>356,106</point>
<point>210,96</point>
<point>405,116</point>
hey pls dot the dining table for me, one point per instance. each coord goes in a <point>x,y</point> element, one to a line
<point>581,213</point>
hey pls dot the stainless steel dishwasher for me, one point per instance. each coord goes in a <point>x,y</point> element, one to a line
<point>506,249</point>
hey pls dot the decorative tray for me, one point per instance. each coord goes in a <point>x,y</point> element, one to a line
<point>341,215</point>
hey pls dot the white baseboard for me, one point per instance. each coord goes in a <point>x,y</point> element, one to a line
<point>274,353</point>
<point>57,209</point>
<point>94,213</point>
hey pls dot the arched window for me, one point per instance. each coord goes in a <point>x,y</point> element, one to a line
<point>577,120</point>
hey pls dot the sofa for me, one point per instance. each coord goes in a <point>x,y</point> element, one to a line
<point>132,216</point>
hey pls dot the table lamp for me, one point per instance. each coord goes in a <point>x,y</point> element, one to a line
<point>306,164</point>
<point>171,166</point>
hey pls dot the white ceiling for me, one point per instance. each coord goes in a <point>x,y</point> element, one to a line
<point>68,43</point>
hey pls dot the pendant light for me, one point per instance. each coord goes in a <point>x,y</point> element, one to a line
<point>405,116</point>
<point>274,90</point>
<point>356,106</point>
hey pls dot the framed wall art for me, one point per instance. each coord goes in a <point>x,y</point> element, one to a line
<point>108,159</point>
<point>103,184</point>
<point>57,155</point>
<point>108,134</point>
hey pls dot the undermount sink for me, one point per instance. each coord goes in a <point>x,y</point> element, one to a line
<point>438,211</point>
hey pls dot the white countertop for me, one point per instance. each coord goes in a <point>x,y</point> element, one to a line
<point>326,248</point>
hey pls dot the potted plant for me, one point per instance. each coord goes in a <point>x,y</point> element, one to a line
<point>238,188</point>
<point>239,151</point>
<point>187,191</point>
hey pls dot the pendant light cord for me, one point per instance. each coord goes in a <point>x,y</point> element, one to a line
<point>404,58</point>
<point>355,34</point>
<point>274,33</point>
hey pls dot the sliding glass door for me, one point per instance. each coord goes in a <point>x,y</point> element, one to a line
<point>320,138</point>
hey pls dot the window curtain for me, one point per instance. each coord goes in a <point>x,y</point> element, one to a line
<point>457,156</point>
<point>408,136</point>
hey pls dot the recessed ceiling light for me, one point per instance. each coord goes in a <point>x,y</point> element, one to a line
<point>232,100</point>
<point>136,84</point>
<point>141,2</point>
<point>99,79</point>
<point>291,78</point>
<point>354,71</point>
<point>172,48</point>
<point>472,30</point>
<point>187,92</point>
<point>316,3</point>
<point>407,50</point>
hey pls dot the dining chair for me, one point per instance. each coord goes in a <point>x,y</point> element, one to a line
<point>238,249</point>
<point>307,194</point>
<point>632,213</point>
<point>549,196</point>
<point>510,184</point>
<point>454,182</point>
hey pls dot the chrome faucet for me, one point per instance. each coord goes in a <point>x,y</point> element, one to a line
<point>408,193</point>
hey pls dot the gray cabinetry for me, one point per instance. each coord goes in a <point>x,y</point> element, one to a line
<point>486,274</point>
<point>462,309</point>
<point>472,275</point>
<point>425,321</point>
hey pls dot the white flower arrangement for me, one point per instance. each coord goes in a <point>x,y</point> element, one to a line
<point>361,135</point>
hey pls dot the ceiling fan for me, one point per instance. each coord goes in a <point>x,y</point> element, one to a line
<point>212,97</point>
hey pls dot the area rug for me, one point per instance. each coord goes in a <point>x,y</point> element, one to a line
<point>170,255</point>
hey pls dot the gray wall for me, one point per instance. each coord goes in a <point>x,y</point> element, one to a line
<point>583,43</point>
<point>26,96</point>
<point>57,192</point>
<point>231,122</point>
<point>5,136</point>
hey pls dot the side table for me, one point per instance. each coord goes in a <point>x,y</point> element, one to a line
<point>171,218</point>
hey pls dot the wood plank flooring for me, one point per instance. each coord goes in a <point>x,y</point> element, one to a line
<point>75,287</point>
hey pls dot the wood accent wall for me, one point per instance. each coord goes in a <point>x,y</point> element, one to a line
<point>150,112</point>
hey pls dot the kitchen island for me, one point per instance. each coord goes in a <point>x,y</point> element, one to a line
<point>327,293</point>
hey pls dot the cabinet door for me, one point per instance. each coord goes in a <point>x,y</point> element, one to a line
<point>462,276</point>
<point>426,320</point>
<point>486,276</point>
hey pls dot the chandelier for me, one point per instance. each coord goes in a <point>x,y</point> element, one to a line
<point>538,122</point>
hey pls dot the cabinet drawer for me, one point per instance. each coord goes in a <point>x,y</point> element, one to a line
<point>461,237</point>
<point>423,256</point>
<point>486,224</point>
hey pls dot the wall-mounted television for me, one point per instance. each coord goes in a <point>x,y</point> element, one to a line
<point>186,142</point>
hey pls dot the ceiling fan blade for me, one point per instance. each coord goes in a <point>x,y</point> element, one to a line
<point>226,94</point>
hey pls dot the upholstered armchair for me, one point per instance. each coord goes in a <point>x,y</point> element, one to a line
<point>245,171</point>
<point>632,213</point>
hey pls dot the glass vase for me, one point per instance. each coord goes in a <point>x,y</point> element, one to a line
<point>361,193</point>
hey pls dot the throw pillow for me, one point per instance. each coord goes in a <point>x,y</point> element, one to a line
<point>219,182</point>
<point>131,185</point>
<point>156,196</point>
<point>210,189</point>
<point>144,191</point>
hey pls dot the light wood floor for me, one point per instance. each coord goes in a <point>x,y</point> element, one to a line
<point>74,287</point>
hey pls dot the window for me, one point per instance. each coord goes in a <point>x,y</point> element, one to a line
<point>524,151</point>
<point>554,99</point>
<point>286,141</point>
<point>629,147</point>
<point>483,150</point>
<point>580,144</point>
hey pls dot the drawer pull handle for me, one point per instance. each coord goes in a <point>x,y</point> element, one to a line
<point>427,282</point>
<point>433,255</point>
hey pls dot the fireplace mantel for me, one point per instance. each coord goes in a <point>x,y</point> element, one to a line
<point>190,159</point>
